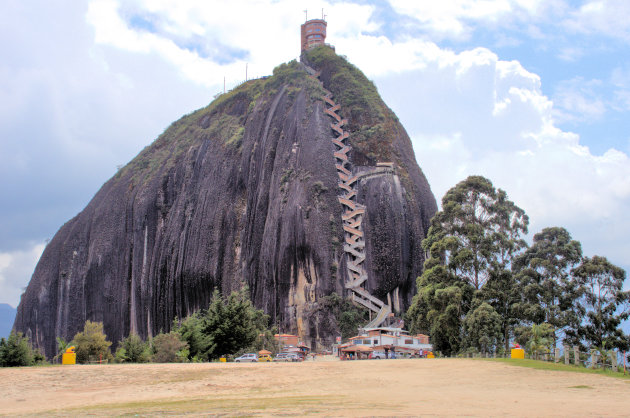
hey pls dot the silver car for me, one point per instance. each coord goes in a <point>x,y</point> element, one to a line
<point>249,357</point>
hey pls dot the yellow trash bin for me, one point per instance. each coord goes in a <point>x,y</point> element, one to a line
<point>223,360</point>
<point>517,353</point>
<point>69,357</point>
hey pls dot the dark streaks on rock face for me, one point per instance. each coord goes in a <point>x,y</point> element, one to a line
<point>240,192</point>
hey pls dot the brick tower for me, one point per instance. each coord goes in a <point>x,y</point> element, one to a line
<point>313,33</point>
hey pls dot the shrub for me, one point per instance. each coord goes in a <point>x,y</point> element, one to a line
<point>16,351</point>
<point>133,350</point>
<point>168,348</point>
<point>92,344</point>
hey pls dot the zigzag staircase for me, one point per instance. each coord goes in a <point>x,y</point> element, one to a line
<point>352,217</point>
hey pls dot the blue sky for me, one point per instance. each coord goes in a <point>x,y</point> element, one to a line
<point>533,94</point>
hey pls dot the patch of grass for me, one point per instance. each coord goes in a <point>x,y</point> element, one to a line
<point>212,405</point>
<point>581,387</point>
<point>543,365</point>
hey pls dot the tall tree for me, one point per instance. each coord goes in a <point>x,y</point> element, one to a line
<point>231,324</point>
<point>503,294</point>
<point>462,231</point>
<point>471,243</point>
<point>550,293</point>
<point>606,303</point>
<point>440,306</point>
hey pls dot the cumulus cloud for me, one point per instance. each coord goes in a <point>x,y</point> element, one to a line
<point>472,113</point>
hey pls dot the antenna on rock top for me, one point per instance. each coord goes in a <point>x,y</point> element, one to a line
<point>305,15</point>
<point>322,13</point>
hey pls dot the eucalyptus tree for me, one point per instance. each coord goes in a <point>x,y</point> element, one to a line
<point>501,291</point>
<point>470,244</point>
<point>606,303</point>
<point>550,293</point>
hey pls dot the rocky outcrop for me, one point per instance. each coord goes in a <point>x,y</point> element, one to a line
<point>242,192</point>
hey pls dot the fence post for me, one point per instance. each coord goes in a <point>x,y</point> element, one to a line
<point>613,360</point>
<point>556,355</point>
<point>594,359</point>
<point>576,355</point>
<point>566,354</point>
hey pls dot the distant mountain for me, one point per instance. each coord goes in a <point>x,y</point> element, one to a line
<point>7,316</point>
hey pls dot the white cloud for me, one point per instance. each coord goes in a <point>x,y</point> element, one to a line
<point>16,268</point>
<point>471,113</point>
<point>578,100</point>
<point>267,34</point>
<point>457,19</point>
<point>606,17</point>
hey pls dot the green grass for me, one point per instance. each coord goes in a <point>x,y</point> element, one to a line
<point>245,405</point>
<point>543,365</point>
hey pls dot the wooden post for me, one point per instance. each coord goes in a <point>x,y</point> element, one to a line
<point>566,355</point>
<point>556,355</point>
<point>576,355</point>
<point>613,360</point>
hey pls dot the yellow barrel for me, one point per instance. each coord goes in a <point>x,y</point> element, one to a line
<point>69,357</point>
<point>517,353</point>
<point>223,360</point>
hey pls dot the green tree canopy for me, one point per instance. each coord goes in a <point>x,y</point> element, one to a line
<point>550,293</point>
<point>483,329</point>
<point>478,229</point>
<point>606,303</point>
<point>470,244</point>
<point>16,351</point>
<point>91,343</point>
<point>133,350</point>
<point>228,325</point>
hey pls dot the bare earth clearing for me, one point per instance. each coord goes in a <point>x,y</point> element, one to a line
<point>375,387</point>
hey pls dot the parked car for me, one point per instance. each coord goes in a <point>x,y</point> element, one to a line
<point>295,357</point>
<point>249,357</point>
<point>282,357</point>
<point>380,355</point>
<point>264,357</point>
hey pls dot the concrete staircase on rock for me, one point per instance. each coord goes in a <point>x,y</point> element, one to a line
<point>352,217</point>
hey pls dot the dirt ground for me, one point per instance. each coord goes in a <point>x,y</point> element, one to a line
<point>427,387</point>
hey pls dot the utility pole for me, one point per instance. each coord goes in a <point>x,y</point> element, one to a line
<point>246,64</point>
<point>305,15</point>
<point>223,84</point>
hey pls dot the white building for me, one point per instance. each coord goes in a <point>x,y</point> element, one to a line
<point>396,339</point>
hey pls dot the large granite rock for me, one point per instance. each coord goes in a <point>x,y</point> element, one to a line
<point>240,192</point>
